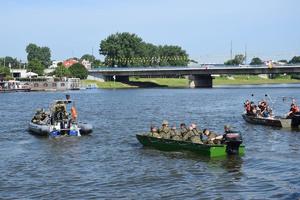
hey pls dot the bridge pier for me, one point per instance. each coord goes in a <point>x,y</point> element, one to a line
<point>200,81</point>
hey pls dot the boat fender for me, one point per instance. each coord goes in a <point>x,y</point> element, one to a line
<point>54,133</point>
<point>73,133</point>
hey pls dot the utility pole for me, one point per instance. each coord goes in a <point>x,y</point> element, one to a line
<point>245,54</point>
<point>231,49</point>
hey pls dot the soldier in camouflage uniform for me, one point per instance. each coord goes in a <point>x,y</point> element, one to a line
<point>175,135</point>
<point>154,132</point>
<point>194,135</point>
<point>212,138</point>
<point>165,131</point>
<point>183,130</point>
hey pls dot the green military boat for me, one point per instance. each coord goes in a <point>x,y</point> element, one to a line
<point>231,146</point>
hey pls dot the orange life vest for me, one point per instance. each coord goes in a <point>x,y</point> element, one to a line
<point>73,113</point>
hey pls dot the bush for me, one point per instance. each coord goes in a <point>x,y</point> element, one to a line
<point>77,70</point>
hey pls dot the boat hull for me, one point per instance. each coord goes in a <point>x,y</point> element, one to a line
<point>275,122</point>
<point>174,145</point>
<point>44,130</point>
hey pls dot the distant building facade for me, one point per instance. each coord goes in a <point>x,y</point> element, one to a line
<point>51,84</point>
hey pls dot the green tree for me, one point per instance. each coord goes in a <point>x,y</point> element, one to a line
<point>283,61</point>
<point>36,66</point>
<point>88,57</point>
<point>97,63</point>
<point>256,61</point>
<point>79,71</point>
<point>120,47</point>
<point>238,60</point>
<point>172,56</point>
<point>294,60</point>
<point>43,54</point>
<point>126,49</point>
<point>62,71</point>
<point>11,62</point>
<point>5,71</point>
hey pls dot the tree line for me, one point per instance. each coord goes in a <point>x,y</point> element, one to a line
<point>129,50</point>
<point>239,59</point>
<point>119,50</point>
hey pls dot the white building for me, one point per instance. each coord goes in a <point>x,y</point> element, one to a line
<point>22,73</point>
<point>18,73</point>
<point>55,64</point>
<point>87,64</point>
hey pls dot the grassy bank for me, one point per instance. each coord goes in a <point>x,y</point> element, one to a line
<point>249,80</point>
<point>183,83</point>
<point>106,85</point>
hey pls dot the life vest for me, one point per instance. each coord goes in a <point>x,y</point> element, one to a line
<point>73,113</point>
<point>248,108</point>
<point>295,109</point>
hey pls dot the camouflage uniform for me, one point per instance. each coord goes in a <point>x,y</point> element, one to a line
<point>193,136</point>
<point>154,134</point>
<point>210,136</point>
<point>175,135</point>
<point>183,132</point>
<point>165,132</point>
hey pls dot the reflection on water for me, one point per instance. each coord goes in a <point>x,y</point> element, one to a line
<point>112,164</point>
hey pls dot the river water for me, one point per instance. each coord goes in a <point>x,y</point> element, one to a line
<point>111,164</point>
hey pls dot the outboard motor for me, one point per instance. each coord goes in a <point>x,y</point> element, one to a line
<point>233,140</point>
<point>295,120</point>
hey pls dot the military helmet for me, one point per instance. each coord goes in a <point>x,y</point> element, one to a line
<point>165,122</point>
<point>227,126</point>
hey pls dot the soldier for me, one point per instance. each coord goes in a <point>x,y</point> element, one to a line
<point>183,130</point>
<point>154,132</point>
<point>175,135</point>
<point>227,129</point>
<point>37,116</point>
<point>194,135</point>
<point>165,131</point>
<point>212,138</point>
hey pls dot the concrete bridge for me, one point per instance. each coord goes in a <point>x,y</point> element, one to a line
<point>198,76</point>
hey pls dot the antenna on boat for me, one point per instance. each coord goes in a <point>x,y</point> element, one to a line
<point>269,97</point>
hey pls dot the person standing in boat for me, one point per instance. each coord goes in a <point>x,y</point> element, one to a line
<point>293,110</point>
<point>165,131</point>
<point>247,107</point>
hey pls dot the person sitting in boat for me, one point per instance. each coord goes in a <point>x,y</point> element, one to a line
<point>165,131</point>
<point>264,109</point>
<point>175,135</point>
<point>293,110</point>
<point>253,111</point>
<point>154,132</point>
<point>37,116</point>
<point>183,130</point>
<point>212,138</point>
<point>194,135</point>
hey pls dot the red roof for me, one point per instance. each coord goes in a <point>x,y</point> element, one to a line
<point>69,62</point>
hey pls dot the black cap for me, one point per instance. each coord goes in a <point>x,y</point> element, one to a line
<point>182,124</point>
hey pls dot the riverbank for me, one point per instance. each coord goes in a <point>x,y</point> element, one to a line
<point>184,83</point>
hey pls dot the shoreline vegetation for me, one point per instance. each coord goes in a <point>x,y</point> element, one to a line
<point>184,83</point>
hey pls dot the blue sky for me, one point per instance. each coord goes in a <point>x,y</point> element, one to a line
<point>269,28</point>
